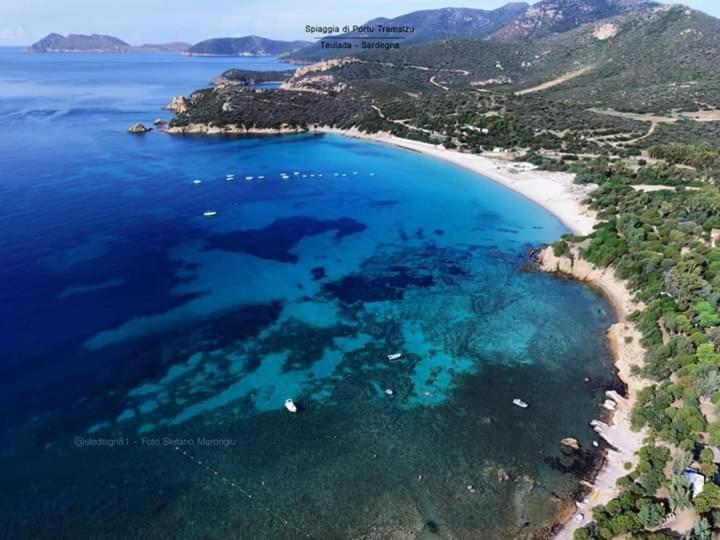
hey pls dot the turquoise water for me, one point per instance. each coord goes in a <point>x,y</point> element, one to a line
<point>147,349</point>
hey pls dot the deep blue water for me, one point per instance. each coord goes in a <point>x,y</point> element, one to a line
<point>126,315</point>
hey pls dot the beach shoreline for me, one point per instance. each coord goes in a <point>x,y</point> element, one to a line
<point>624,340</point>
<point>554,191</point>
<point>557,193</point>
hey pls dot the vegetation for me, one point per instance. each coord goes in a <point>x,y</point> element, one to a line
<point>661,242</point>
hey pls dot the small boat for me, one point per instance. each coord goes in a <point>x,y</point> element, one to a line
<point>197,181</point>
<point>389,392</point>
<point>210,213</point>
<point>372,174</point>
<point>296,173</point>
<point>520,403</point>
<point>394,356</point>
<point>261,177</point>
<point>248,178</point>
<point>290,405</point>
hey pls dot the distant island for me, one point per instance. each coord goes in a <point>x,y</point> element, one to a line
<point>98,43</point>
<point>245,46</point>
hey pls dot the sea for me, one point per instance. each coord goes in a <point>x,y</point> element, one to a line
<point>162,296</point>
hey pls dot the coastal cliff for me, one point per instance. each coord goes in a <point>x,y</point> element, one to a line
<point>624,339</point>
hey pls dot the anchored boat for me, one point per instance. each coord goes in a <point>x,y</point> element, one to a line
<point>290,405</point>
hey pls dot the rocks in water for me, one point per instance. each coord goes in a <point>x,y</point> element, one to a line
<point>609,404</point>
<point>179,104</point>
<point>139,128</point>
<point>570,442</point>
<point>502,475</point>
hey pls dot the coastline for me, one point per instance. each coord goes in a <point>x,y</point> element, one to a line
<point>624,339</point>
<point>556,192</point>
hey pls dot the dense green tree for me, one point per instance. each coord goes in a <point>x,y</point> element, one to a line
<point>679,492</point>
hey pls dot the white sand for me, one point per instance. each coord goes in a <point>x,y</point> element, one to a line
<point>554,191</point>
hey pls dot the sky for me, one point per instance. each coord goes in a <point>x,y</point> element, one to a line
<point>23,22</point>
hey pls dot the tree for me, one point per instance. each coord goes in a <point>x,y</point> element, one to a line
<point>679,492</point>
<point>707,314</point>
<point>651,515</point>
<point>714,433</point>
<point>701,530</point>
<point>708,499</point>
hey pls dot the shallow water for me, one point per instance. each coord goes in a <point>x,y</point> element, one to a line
<point>147,350</point>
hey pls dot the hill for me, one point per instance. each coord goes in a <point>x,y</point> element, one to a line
<point>97,43</point>
<point>554,16</point>
<point>245,46</point>
<point>79,43</point>
<point>430,25</point>
<point>174,46</point>
<point>662,60</point>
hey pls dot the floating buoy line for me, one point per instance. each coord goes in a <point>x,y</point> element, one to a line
<point>230,482</point>
<point>230,177</point>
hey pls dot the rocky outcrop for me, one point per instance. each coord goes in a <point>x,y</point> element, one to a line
<point>570,442</point>
<point>323,66</point>
<point>603,278</point>
<point>179,105</point>
<point>139,128</point>
<point>231,129</point>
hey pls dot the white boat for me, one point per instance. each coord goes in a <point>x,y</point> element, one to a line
<point>197,181</point>
<point>248,178</point>
<point>389,392</point>
<point>210,213</point>
<point>290,405</point>
<point>394,356</point>
<point>520,403</point>
<point>296,173</point>
<point>261,177</point>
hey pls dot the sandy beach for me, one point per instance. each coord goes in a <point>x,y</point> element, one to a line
<point>555,191</point>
